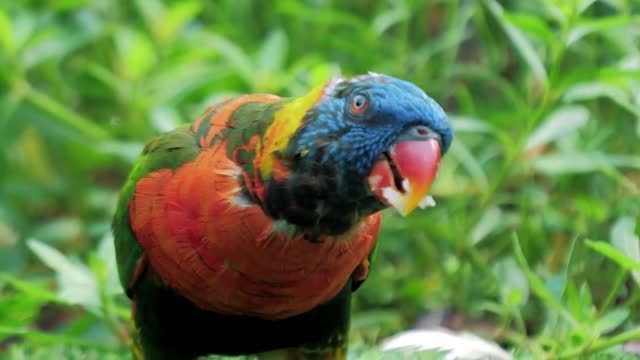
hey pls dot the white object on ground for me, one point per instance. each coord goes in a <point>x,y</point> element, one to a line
<point>457,346</point>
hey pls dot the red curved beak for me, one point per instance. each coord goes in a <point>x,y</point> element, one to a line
<point>402,180</point>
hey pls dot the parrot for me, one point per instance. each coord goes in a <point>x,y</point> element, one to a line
<point>247,231</point>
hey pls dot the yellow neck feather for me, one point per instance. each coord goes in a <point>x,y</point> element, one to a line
<point>285,123</point>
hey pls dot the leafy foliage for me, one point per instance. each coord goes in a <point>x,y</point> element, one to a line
<point>543,95</point>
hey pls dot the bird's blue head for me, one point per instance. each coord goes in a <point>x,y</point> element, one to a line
<point>369,142</point>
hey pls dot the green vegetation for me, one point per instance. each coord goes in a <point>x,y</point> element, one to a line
<point>534,240</point>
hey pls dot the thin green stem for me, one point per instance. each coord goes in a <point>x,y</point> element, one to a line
<point>538,286</point>
<point>106,301</point>
<point>601,344</point>
<point>615,289</point>
<point>519,321</point>
<point>64,115</point>
<point>631,300</point>
<point>521,340</point>
<point>111,319</point>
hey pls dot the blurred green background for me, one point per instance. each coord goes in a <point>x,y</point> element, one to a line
<point>534,240</point>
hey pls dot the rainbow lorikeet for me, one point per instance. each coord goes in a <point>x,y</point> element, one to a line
<point>248,230</point>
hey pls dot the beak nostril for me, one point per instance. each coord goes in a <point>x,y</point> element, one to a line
<point>421,131</point>
<point>418,132</point>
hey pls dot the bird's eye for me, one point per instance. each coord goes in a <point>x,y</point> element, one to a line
<point>359,104</point>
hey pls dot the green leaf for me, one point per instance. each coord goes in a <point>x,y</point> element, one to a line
<point>553,9</point>
<point>136,53</point>
<point>273,52</point>
<point>234,55</point>
<point>583,5</point>
<point>586,301</point>
<point>59,230</point>
<point>164,118</point>
<point>129,151</point>
<point>566,163</point>
<point>372,318</point>
<point>611,320</point>
<point>153,13</point>
<point>599,25</point>
<point>53,43</point>
<point>66,5</point>
<point>7,41</point>
<point>25,25</point>
<point>513,284</point>
<point>624,239</point>
<point>591,90</point>
<point>175,19</point>
<point>33,289</point>
<point>106,253</point>
<point>462,123</point>
<point>518,40</point>
<point>21,301</point>
<point>573,303</point>
<point>322,16</point>
<point>576,162</point>
<point>194,75</point>
<point>18,309</point>
<point>558,124</point>
<point>533,25</point>
<point>489,222</point>
<point>66,116</point>
<point>470,162</point>
<point>76,283</point>
<point>614,254</point>
<point>397,12</point>
<point>319,73</point>
<point>537,285</point>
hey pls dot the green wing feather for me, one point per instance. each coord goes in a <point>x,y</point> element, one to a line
<point>166,151</point>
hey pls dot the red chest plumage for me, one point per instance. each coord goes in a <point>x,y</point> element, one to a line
<point>225,256</point>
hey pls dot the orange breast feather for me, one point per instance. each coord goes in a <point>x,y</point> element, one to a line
<point>224,255</point>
